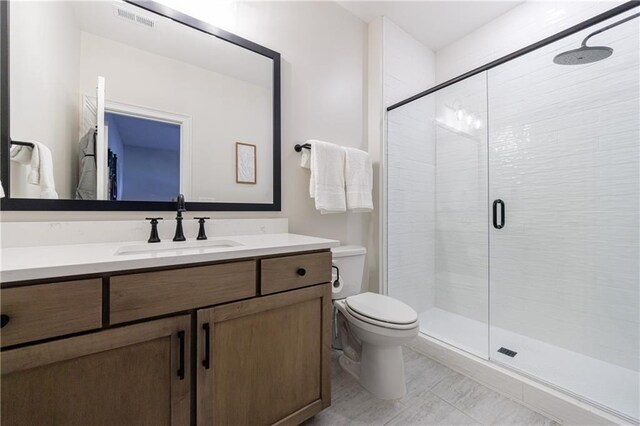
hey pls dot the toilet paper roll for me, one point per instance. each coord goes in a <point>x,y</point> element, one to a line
<point>336,286</point>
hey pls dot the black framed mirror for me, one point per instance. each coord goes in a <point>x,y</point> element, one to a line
<point>123,105</point>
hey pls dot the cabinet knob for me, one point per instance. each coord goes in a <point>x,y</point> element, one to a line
<point>4,320</point>
<point>302,272</point>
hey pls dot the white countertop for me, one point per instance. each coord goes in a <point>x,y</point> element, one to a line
<point>30,263</point>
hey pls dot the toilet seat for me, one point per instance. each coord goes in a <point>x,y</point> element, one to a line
<point>378,323</point>
<point>383,311</point>
<point>382,329</point>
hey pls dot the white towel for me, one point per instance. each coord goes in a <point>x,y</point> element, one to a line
<point>41,162</point>
<point>305,158</point>
<point>358,173</point>
<point>326,185</point>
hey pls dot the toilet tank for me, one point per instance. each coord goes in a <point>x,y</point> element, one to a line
<point>350,262</point>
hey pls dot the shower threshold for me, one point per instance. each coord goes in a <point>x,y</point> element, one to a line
<point>600,382</point>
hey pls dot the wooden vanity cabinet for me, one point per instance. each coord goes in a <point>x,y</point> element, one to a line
<point>133,375</point>
<point>265,360</point>
<point>117,349</point>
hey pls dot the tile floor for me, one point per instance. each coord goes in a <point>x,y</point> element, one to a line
<point>436,395</point>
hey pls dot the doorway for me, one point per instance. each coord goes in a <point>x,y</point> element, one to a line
<point>143,158</point>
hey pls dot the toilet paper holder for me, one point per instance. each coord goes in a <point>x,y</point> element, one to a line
<point>336,282</point>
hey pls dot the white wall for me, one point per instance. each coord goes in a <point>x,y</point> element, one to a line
<point>45,49</point>
<point>376,131</point>
<point>324,76</point>
<point>408,67</point>
<point>519,27</point>
<point>223,111</point>
<point>324,57</point>
<point>408,64</point>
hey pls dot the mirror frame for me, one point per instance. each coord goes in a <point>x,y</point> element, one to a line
<point>9,203</point>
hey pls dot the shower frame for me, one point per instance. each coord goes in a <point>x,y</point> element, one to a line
<point>618,10</point>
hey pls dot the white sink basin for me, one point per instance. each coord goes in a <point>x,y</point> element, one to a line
<point>177,247</point>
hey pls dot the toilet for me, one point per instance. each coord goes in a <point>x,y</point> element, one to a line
<point>370,327</point>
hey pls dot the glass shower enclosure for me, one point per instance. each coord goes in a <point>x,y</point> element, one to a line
<point>513,215</point>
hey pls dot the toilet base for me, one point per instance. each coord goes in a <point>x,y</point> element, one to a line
<point>350,366</point>
<point>380,371</point>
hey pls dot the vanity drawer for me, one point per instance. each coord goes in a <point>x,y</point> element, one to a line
<point>49,310</point>
<point>149,294</point>
<point>290,272</point>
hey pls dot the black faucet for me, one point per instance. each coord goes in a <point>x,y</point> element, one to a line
<point>180,207</point>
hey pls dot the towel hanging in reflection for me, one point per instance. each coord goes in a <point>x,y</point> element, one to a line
<point>39,158</point>
<point>88,179</point>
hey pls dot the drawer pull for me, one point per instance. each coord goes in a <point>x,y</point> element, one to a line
<point>181,355</point>
<point>302,272</point>
<point>4,320</point>
<point>206,362</point>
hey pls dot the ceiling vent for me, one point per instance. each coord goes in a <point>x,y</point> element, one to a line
<point>131,16</point>
<point>145,21</point>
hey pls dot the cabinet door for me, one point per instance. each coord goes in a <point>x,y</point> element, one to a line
<point>134,375</point>
<point>266,360</point>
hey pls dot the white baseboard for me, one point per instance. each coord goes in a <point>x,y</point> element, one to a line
<point>545,400</point>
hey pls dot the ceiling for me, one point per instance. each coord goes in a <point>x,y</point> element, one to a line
<point>172,40</point>
<point>435,24</point>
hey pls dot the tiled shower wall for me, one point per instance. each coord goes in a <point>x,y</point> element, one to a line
<point>407,69</point>
<point>461,246</point>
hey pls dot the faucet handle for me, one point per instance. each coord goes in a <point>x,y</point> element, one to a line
<point>201,234</point>
<point>153,237</point>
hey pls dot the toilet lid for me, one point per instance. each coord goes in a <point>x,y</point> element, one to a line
<point>382,308</point>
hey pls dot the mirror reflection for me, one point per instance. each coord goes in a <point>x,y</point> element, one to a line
<point>108,103</point>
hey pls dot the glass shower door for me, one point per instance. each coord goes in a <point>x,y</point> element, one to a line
<point>437,248</point>
<point>564,163</point>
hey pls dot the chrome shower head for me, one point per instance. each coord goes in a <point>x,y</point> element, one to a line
<point>583,55</point>
<point>588,54</point>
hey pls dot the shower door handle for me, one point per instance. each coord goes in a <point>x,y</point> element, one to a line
<point>495,214</point>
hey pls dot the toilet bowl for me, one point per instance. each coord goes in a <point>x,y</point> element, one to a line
<point>371,328</point>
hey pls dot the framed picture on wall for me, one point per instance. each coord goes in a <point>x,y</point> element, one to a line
<point>245,163</point>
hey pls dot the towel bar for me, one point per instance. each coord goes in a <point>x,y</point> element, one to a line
<point>29,144</point>
<point>299,147</point>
